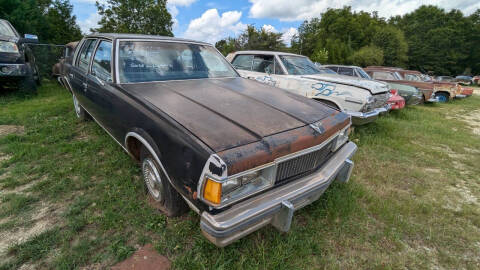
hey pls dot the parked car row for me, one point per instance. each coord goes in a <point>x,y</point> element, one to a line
<point>244,144</point>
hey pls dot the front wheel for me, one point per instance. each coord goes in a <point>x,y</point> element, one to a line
<point>168,200</point>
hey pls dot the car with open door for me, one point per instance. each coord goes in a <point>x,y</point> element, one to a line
<point>240,153</point>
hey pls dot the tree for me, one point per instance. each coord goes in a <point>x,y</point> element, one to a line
<point>51,21</point>
<point>438,41</point>
<point>393,44</point>
<point>368,56</point>
<point>135,16</point>
<point>252,39</point>
<point>61,24</point>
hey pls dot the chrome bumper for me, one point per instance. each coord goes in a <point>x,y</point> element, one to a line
<point>276,206</point>
<point>360,118</point>
<point>460,96</point>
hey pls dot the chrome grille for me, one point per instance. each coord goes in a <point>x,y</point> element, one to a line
<point>303,164</point>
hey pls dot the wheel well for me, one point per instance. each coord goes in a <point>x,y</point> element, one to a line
<point>133,147</point>
<point>443,92</point>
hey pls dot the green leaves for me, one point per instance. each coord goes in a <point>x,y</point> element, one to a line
<point>135,16</point>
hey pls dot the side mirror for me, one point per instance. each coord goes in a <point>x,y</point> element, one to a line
<point>29,38</point>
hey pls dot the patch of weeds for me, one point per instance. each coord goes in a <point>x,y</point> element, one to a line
<point>16,204</point>
<point>34,249</point>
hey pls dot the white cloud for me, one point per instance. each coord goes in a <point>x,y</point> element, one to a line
<point>299,10</point>
<point>288,35</point>
<point>183,3</point>
<point>90,22</point>
<point>269,28</point>
<point>211,27</point>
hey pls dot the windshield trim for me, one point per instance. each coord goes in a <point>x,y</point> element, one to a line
<point>117,53</point>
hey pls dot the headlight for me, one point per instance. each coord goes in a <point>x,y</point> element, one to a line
<point>8,47</point>
<point>342,138</point>
<point>238,186</point>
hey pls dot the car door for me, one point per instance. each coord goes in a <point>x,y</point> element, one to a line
<point>78,72</point>
<point>100,92</point>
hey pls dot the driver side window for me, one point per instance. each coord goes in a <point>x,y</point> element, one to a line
<point>263,64</point>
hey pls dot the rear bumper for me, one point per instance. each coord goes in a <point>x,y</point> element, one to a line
<point>361,118</point>
<point>276,206</point>
<point>460,96</point>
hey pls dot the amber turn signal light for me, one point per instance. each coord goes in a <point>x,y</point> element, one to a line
<point>212,191</point>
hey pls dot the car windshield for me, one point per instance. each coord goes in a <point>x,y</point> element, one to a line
<point>363,74</point>
<point>299,65</point>
<point>147,61</point>
<point>325,70</point>
<point>6,30</point>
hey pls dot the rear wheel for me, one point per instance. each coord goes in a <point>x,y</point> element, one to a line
<point>161,191</point>
<point>442,97</point>
<point>27,83</point>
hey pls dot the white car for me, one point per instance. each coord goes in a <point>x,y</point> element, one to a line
<point>363,99</point>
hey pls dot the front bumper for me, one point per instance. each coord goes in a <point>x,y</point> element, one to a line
<point>276,206</point>
<point>13,70</point>
<point>460,96</point>
<point>361,118</point>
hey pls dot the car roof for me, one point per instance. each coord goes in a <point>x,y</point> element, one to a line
<point>267,53</point>
<point>140,36</point>
<point>341,66</point>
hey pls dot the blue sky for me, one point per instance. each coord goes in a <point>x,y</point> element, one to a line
<point>210,21</point>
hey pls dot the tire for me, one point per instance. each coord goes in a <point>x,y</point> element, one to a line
<point>442,97</point>
<point>168,200</point>
<point>27,84</point>
<point>79,110</point>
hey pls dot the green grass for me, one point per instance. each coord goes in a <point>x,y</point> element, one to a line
<point>413,200</point>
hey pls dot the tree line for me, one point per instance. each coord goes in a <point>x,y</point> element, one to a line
<point>428,39</point>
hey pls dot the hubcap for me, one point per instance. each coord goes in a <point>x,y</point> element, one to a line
<point>152,179</point>
<point>76,106</point>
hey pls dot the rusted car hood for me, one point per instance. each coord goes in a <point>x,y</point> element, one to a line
<point>229,112</point>
<point>375,87</point>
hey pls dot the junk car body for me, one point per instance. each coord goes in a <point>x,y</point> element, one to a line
<point>17,62</point>
<point>444,91</point>
<point>363,99</point>
<point>240,153</point>
<point>59,68</point>
<point>391,75</point>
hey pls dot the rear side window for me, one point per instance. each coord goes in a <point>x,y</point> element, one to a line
<point>101,65</point>
<point>378,75</point>
<point>243,61</point>
<point>345,71</point>
<point>86,54</point>
<point>333,68</point>
<point>263,63</point>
